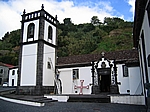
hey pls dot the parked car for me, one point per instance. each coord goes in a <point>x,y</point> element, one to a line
<point>5,84</point>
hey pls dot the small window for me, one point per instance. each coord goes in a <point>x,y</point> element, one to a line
<point>13,72</point>
<point>50,32</point>
<point>125,71</point>
<point>30,34</point>
<point>75,74</point>
<point>48,65</point>
<point>1,71</point>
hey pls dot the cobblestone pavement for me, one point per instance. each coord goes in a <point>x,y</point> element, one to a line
<point>70,107</point>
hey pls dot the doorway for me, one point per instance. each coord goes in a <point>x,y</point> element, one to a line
<point>104,75</point>
<point>12,82</point>
<point>105,83</point>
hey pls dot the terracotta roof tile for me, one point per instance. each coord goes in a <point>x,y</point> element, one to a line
<point>6,65</point>
<point>118,55</point>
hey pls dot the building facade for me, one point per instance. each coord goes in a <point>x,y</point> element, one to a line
<point>4,73</point>
<point>13,77</point>
<point>37,53</point>
<point>100,74</point>
<point>141,38</point>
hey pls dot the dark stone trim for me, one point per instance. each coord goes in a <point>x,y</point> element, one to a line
<point>37,41</point>
<point>140,6</point>
<point>40,51</point>
<point>33,90</point>
<point>37,15</point>
<point>144,56</point>
<point>20,56</point>
<point>74,65</point>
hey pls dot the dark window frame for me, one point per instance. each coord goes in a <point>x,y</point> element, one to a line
<point>30,32</point>
<point>48,65</point>
<point>75,74</point>
<point>13,72</point>
<point>125,71</point>
<point>50,32</point>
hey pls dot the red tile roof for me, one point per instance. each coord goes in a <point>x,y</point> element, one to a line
<point>124,55</point>
<point>6,65</point>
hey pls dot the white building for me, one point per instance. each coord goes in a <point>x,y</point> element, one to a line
<point>39,72</point>
<point>73,69</point>
<point>13,76</point>
<point>141,35</point>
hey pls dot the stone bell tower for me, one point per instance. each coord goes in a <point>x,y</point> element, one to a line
<point>37,53</point>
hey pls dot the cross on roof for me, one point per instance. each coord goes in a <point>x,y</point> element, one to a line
<point>103,54</point>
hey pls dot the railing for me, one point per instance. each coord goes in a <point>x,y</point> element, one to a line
<point>40,13</point>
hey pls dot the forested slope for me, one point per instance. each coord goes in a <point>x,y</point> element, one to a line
<point>94,37</point>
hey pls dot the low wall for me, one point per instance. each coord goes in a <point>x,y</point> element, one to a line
<point>126,99</point>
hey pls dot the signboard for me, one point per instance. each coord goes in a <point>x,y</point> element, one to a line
<point>104,71</point>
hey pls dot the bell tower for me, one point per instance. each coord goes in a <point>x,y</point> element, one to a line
<point>37,53</point>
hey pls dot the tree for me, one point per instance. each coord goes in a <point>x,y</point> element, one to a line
<point>67,21</point>
<point>115,22</point>
<point>95,21</point>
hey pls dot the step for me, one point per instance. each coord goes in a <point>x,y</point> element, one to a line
<point>89,98</point>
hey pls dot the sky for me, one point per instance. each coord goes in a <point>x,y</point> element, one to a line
<point>80,11</point>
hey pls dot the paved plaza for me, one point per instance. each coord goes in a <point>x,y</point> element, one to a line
<point>6,106</point>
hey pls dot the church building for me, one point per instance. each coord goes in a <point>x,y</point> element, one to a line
<point>40,72</point>
<point>112,72</point>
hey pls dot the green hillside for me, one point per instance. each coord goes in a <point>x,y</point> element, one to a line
<point>111,35</point>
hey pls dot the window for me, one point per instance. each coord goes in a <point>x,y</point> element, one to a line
<point>30,34</point>
<point>48,65</point>
<point>1,71</point>
<point>75,74</point>
<point>13,72</point>
<point>50,32</point>
<point>125,71</point>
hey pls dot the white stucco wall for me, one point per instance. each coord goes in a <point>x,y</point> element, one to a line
<point>28,67</point>
<point>146,29</point>
<point>66,80</point>
<point>36,30</point>
<point>15,76</point>
<point>48,74</point>
<point>123,80</point>
<point>68,83</point>
<point>135,81</point>
<point>53,41</point>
